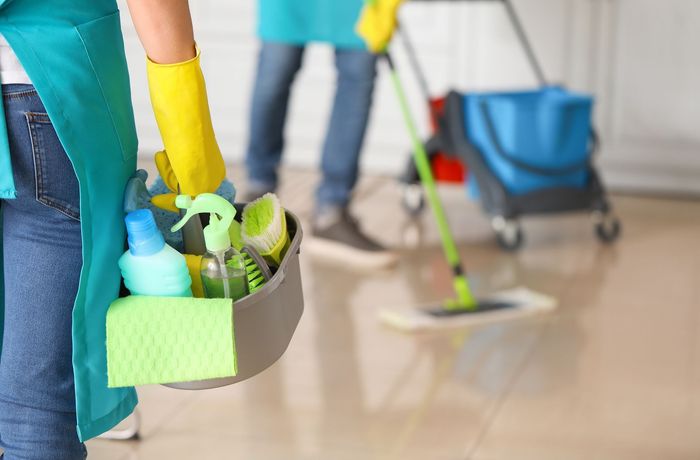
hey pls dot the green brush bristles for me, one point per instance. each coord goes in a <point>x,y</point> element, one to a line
<point>262,223</point>
<point>255,276</point>
<point>256,268</point>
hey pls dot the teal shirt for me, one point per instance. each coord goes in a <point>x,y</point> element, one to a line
<point>299,22</point>
<point>73,52</point>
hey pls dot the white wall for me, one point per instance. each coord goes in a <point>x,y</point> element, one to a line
<point>640,57</point>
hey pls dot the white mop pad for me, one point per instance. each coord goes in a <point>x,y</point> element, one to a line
<point>502,306</point>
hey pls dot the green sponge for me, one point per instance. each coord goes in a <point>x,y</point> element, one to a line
<point>157,340</point>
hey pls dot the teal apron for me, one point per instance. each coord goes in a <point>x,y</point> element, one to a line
<point>299,22</point>
<point>73,52</point>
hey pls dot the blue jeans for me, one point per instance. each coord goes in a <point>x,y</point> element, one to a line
<point>42,251</point>
<point>278,64</point>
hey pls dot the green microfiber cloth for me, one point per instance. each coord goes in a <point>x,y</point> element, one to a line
<point>156,340</point>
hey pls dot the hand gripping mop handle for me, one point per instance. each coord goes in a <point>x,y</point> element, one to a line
<point>465,298</point>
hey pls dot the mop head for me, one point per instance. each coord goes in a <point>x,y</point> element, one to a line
<point>503,306</point>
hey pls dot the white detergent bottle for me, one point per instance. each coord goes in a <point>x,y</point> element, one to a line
<point>151,267</point>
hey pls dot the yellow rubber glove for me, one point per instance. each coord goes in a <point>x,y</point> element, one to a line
<point>179,99</point>
<point>377,23</point>
<point>165,169</point>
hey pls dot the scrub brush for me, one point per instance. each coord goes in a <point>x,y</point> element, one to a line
<point>257,269</point>
<point>264,228</point>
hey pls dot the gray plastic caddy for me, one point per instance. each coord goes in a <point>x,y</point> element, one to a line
<point>265,322</point>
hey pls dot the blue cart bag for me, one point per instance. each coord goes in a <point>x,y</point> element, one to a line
<point>532,139</point>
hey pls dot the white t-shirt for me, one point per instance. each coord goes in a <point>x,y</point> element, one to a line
<point>11,70</point>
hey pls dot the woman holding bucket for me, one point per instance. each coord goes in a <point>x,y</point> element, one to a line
<point>67,148</point>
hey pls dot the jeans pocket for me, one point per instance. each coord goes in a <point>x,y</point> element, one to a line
<point>56,183</point>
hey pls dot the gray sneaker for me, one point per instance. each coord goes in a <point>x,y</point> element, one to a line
<point>337,235</point>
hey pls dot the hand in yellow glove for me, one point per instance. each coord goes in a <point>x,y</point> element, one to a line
<point>192,160</point>
<point>165,169</point>
<point>377,23</point>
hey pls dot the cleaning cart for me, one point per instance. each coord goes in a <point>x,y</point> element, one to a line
<point>528,152</point>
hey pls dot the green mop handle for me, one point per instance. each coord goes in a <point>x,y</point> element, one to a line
<point>461,285</point>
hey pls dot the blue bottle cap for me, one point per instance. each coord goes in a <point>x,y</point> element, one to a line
<point>144,237</point>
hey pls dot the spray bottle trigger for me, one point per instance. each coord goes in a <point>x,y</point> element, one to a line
<point>183,201</point>
<point>220,210</point>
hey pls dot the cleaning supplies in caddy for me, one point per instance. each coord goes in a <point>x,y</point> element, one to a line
<point>223,269</point>
<point>265,228</point>
<point>150,267</point>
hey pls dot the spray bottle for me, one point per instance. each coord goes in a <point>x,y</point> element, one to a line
<point>223,268</point>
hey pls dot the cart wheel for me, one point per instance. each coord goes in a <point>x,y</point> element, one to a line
<point>509,233</point>
<point>413,199</point>
<point>607,228</point>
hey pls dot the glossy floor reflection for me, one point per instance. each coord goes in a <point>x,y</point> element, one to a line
<point>613,374</point>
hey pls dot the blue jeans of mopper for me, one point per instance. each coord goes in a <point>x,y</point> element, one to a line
<point>278,64</point>
<point>42,251</point>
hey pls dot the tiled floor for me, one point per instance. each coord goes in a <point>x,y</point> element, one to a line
<point>613,374</point>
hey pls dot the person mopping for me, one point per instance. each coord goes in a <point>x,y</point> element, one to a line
<point>286,27</point>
